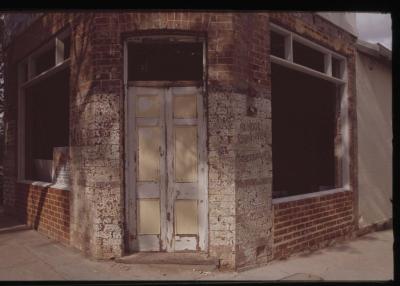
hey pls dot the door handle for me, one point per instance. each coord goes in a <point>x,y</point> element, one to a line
<point>168,216</point>
<point>161,151</point>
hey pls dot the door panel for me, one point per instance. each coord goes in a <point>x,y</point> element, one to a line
<point>148,106</point>
<point>186,217</point>
<point>148,216</point>
<point>146,168</point>
<point>185,106</point>
<point>186,191</point>
<point>185,154</point>
<point>149,139</point>
<point>167,171</point>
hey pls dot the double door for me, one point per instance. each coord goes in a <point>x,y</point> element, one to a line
<point>166,173</point>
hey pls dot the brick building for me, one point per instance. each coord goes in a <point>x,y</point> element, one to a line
<point>231,134</point>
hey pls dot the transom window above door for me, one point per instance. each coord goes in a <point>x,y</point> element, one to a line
<point>165,61</point>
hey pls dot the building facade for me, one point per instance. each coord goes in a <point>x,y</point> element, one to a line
<point>231,134</point>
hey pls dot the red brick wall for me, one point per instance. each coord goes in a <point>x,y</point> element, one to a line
<point>44,209</point>
<point>311,223</point>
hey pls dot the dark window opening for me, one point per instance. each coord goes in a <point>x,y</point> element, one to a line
<point>45,61</point>
<point>165,61</point>
<point>277,44</point>
<point>336,72</point>
<point>308,57</point>
<point>46,124</point>
<point>303,132</point>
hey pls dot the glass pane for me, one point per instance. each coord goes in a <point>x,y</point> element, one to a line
<point>186,154</point>
<point>277,45</point>
<point>308,57</point>
<point>185,106</point>
<point>148,216</point>
<point>165,61</point>
<point>186,217</point>
<point>149,154</point>
<point>148,106</point>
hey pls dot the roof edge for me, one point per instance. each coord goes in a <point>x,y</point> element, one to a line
<point>376,50</point>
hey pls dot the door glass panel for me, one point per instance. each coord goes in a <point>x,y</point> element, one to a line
<point>148,106</point>
<point>185,154</point>
<point>148,216</point>
<point>185,106</point>
<point>149,154</point>
<point>186,217</point>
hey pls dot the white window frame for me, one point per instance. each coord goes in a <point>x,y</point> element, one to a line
<point>32,78</point>
<point>343,151</point>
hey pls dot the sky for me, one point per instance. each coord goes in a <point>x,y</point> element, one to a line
<point>375,27</point>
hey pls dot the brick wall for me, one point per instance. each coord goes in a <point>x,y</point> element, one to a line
<point>253,164</point>
<point>311,223</point>
<point>44,209</point>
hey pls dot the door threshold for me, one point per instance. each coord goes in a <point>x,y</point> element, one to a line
<point>182,258</point>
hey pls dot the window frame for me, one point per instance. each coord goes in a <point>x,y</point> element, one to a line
<point>342,150</point>
<point>57,42</point>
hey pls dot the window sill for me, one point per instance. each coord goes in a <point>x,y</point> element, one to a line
<point>44,184</point>
<point>307,196</point>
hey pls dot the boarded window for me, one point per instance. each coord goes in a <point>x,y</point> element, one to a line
<point>165,61</point>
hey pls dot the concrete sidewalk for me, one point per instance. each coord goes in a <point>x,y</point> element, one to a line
<point>27,255</point>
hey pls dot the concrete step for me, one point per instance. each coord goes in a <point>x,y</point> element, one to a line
<point>195,259</point>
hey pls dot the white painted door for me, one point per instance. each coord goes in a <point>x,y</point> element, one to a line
<point>166,174</point>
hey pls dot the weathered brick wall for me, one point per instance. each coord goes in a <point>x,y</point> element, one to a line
<point>97,116</point>
<point>44,209</point>
<point>97,210</point>
<point>312,223</point>
<point>253,164</point>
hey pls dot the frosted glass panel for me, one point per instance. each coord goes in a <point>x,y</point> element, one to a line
<point>148,106</point>
<point>149,154</point>
<point>149,216</point>
<point>185,106</point>
<point>186,154</point>
<point>186,217</point>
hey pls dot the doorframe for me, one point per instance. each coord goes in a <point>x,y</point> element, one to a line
<point>129,177</point>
